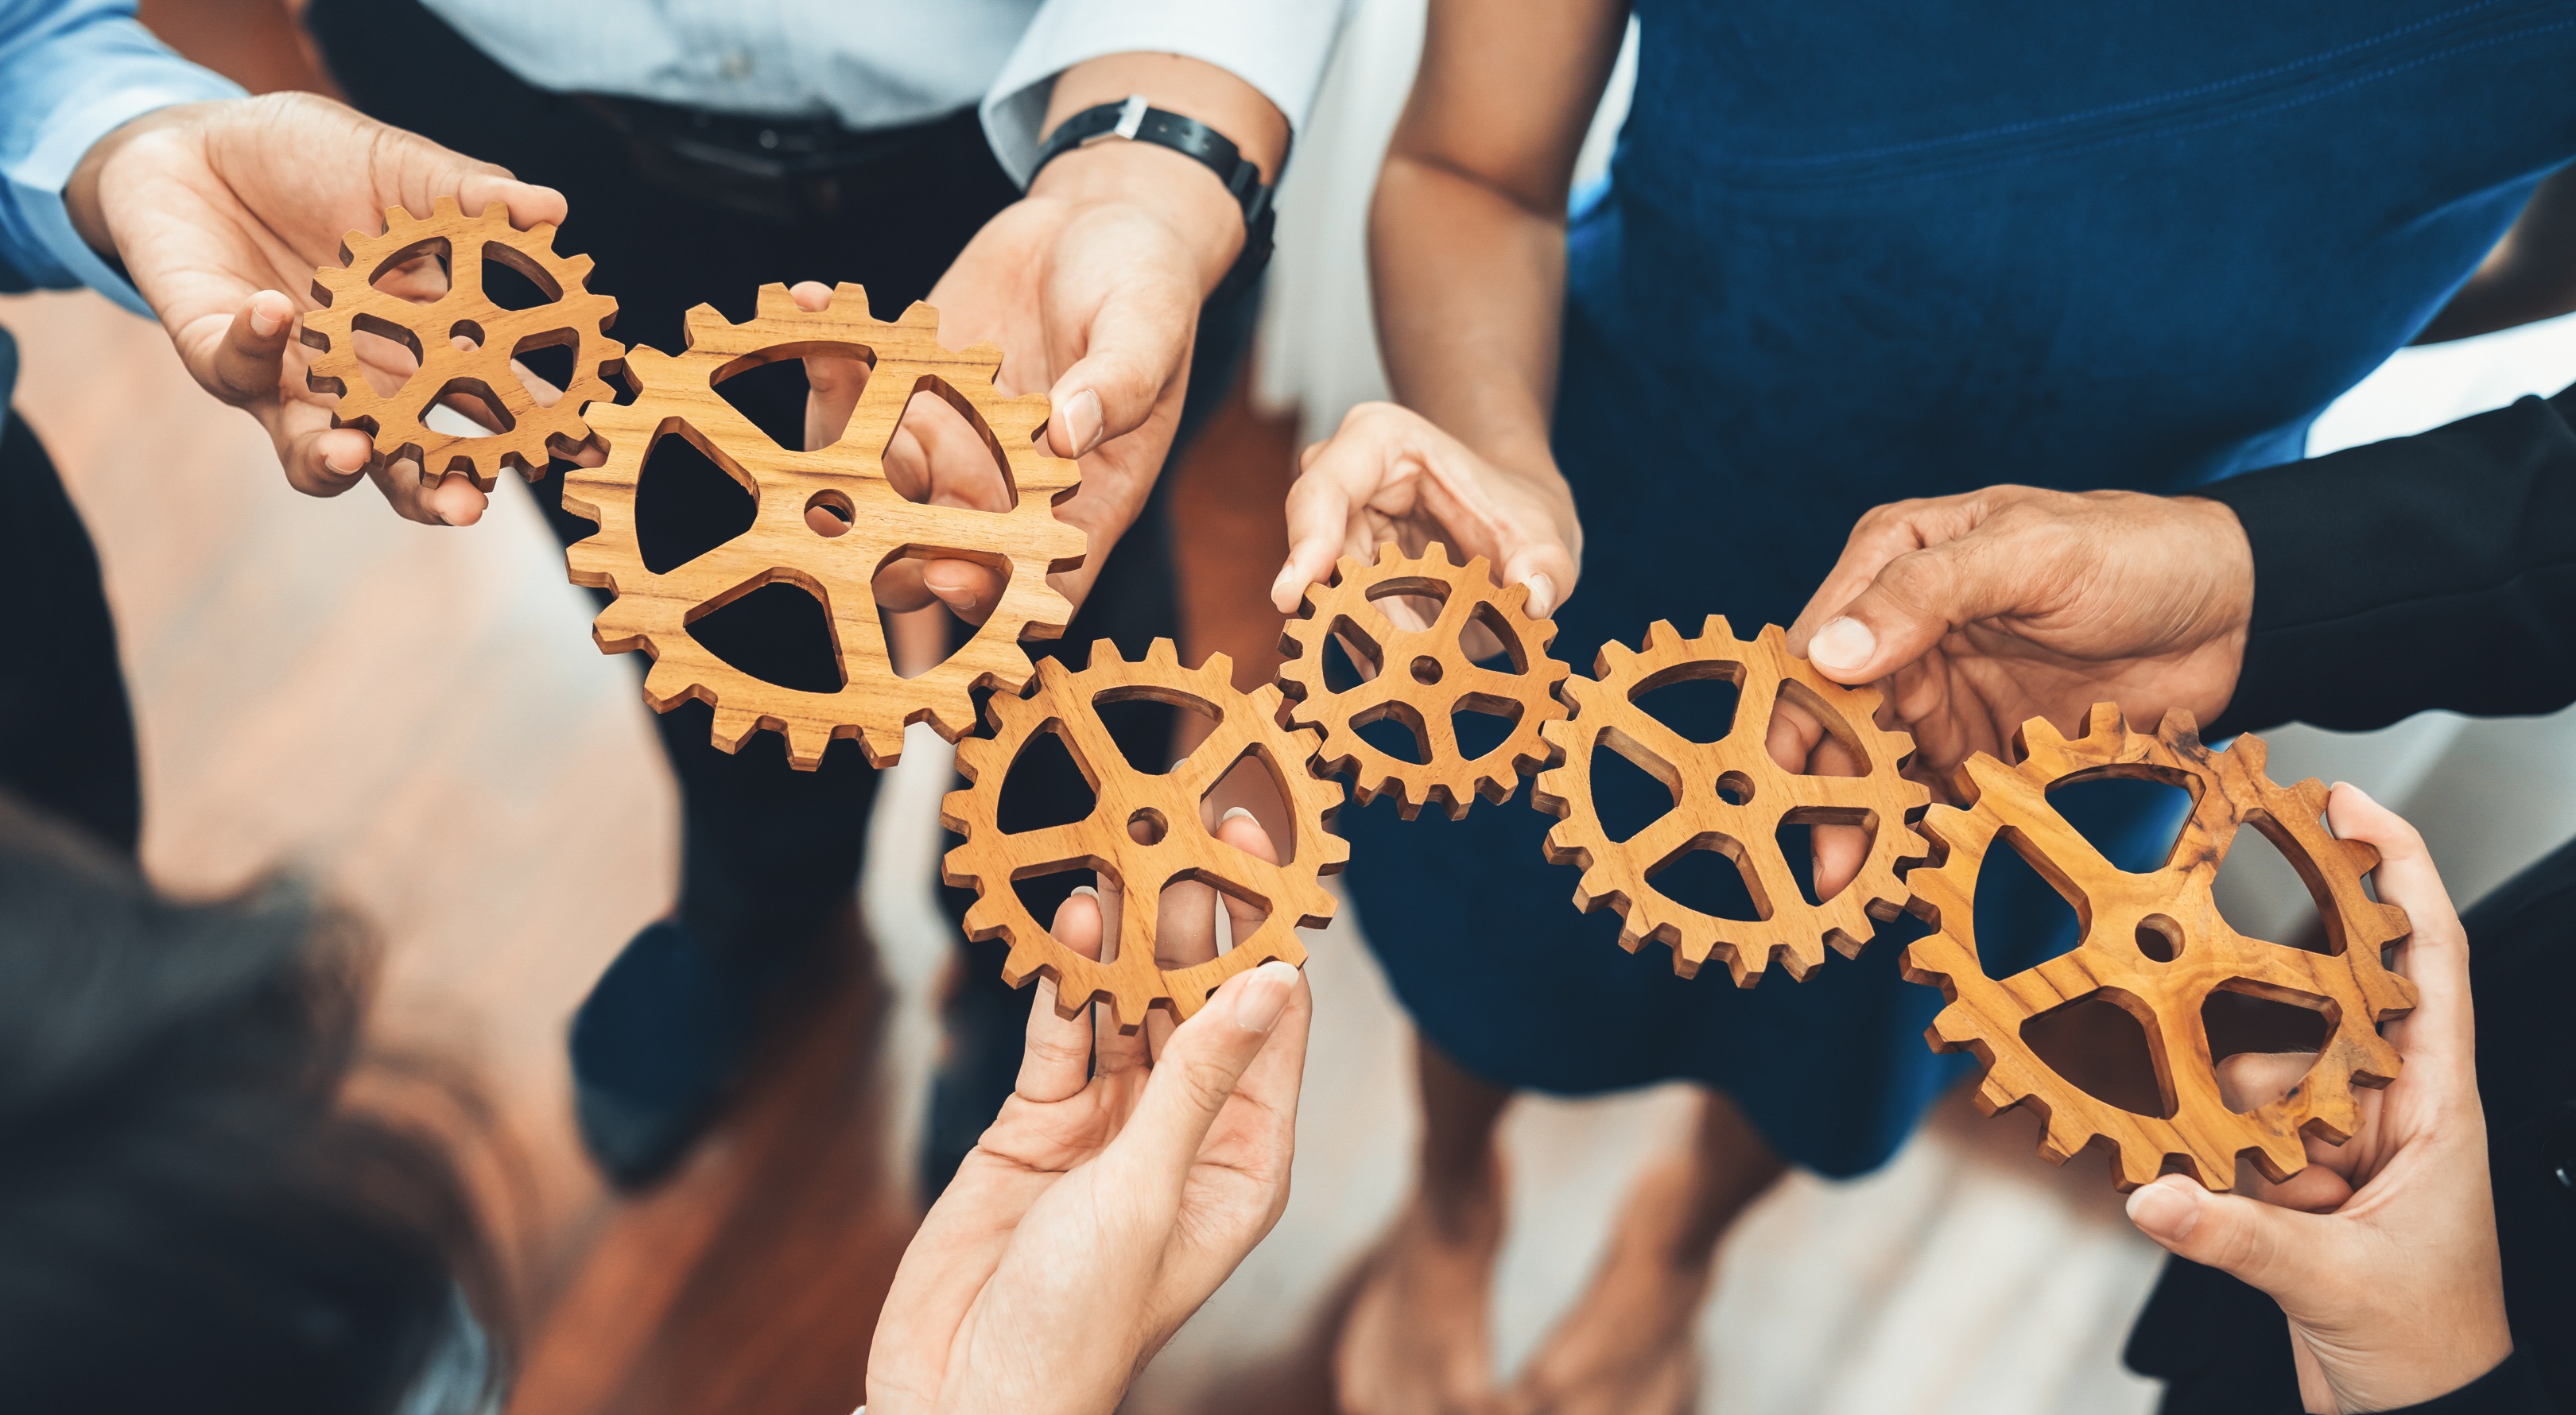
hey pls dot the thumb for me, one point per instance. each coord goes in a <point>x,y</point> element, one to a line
<point>2282,1251</point>
<point>250,358</point>
<point>1900,616</point>
<point>1198,1069</point>
<point>1136,346</point>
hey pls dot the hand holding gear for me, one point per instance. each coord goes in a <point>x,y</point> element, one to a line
<point>871,524</point>
<point>1145,830</point>
<point>530,431</point>
<point>1424,677</point>
<point>2154,945</point>
<point>1730,796</point>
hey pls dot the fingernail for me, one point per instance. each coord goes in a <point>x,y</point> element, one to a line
<point>1845,644</point>
<point>1286,582</point>
<point>1234,813</point>
<point>2165,1211</point>
<point>263,325</point>
<point>1542,595</point>
<point>1264,996</point>
<point>334,464</point>
<point>1082,421</point>
<point>1087,889</point>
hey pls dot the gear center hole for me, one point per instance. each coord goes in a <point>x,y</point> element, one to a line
<point>1148,826</point>
<point>1426,669</point>
<point>2160,938</point>
<point>830,513</point>
<point>1735,788</point>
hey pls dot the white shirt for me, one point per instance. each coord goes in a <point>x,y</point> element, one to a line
<point>883,63</point>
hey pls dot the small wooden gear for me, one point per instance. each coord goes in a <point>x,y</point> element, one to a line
<point>351,304</point>
<point>1729,795</point>
<point>677,398</point>
<point>2154,944</point>
<point>1165,807</point>
<point>1424,676</point>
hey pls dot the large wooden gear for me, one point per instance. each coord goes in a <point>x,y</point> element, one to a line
<point>1424,676</point>
<point>1168,808</point>
<point>2155,945</point>
<point>677,398</point>
<point>1730,796</point>
<point>351,304</point>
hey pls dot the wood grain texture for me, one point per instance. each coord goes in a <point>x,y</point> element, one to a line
<point>2155,945</point>
<point>1423,677</point>
<point>1730,796</point>
<point>351,304</point>
<point>1145,830</point>
<point>677,397</point>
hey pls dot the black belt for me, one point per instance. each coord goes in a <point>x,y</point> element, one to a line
<point>777,168</point>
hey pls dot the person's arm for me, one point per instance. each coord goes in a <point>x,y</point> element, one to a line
<point>1467,256</point>
<point>1124,1179</point>
<point>1092,284</point>
<point>2434,571</point>
<point>152,181</point>
<point>2350,590</point>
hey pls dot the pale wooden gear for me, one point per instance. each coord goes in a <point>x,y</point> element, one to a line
<point>351,303</point>
<point>1423,676</point>
<point>2118,911</point>
<point>1066,704</point>
<point>677,397</point>
<point>1765,796</point>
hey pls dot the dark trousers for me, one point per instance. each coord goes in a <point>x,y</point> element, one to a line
<point>66,732</point>
<point>669,205</point>
<point>2221,1345</point>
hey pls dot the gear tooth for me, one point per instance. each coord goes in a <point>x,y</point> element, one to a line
<point>849,298</point>
<point>732,727</point>
<point>806,744</point>
<point>2312,796</point>
<point>702,322</point>
<point>1659,635</point>
<point>2392,918</point>
<point>1162,653</point>
<point>919,315</point>
<point>774,302</point>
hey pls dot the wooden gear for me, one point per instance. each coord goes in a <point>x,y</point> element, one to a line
<point>352,304</point>
<point>1731,796</point>
<point>1424,675</point>
<point>2172,907</point>
<point>677,397</point>
<point>1169,805</point>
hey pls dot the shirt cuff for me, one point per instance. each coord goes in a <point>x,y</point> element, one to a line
<point>65,139</point>
<point>1277,46</point>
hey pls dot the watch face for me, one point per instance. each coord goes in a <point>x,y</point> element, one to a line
<point>2558,1149</point>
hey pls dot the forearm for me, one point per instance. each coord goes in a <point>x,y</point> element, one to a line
<point>2435,571</point>
<point>1469,284</point>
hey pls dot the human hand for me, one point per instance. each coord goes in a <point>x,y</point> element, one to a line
<point>1388,474</point>
<point>2382,1253</point>
<point>1985,610</point>
<point>219,210</point>
<point>1124,1180</point>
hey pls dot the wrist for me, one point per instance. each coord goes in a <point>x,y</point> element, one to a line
<point>87,196</point>
<point>1174,191</point>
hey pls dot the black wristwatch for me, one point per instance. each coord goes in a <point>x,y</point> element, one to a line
<point>1138,121</point>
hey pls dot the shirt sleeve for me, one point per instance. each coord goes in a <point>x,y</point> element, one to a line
<point>71,72</point>
<point>1277,46</point>
<point>2433,571</point>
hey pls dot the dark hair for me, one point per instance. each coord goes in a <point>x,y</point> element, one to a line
<point>189,1220</point>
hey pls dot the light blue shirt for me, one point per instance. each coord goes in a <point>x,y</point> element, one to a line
<point>884,63</point>
<point>71,72</point>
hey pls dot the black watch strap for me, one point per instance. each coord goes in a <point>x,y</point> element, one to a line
<point>1136,120</point>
